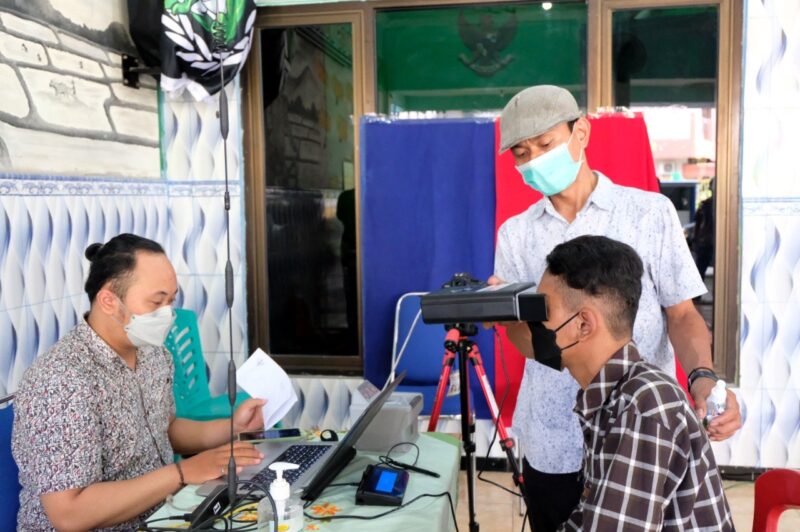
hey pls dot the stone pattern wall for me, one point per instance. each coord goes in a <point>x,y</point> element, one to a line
<point>65,110</point>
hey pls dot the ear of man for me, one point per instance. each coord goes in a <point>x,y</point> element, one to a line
<point>589,322</point>
<point>107,302</point>
<point>582,130</point>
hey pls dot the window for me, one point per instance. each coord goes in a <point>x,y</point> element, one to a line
<point>303,268</point>
<point>444,56</point>
<point>476,57</point>
<point>679,65</point>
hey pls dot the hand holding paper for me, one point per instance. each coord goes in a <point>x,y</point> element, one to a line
<point>262,377</point>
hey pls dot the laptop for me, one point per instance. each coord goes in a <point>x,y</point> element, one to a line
<point>319,462</point>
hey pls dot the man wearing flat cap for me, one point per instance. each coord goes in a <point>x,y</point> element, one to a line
<point>547,135</point>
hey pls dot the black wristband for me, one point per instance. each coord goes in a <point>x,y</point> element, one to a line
<point>700,372</point>
<point>180,473</point>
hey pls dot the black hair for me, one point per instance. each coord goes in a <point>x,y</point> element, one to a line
<point>604,268</point>
<point>571,125</point>
<point>115,261</point>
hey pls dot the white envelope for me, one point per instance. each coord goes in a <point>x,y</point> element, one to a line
<point>262,377</point>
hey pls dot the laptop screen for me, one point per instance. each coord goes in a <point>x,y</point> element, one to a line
<point>345,451</point>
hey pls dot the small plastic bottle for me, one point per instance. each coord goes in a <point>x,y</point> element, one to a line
<point>289,507</point>
<point>716,402</point>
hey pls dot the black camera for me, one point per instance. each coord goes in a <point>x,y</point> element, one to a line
<point>464,299</point>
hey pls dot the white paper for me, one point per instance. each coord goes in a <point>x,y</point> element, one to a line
<point>263,378</point>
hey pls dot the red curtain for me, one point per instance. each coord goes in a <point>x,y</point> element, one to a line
<point>619,147</point>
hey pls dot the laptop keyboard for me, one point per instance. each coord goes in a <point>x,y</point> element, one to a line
<point>304,456</point>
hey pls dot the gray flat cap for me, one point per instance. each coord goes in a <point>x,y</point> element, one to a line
<point>533,111</point>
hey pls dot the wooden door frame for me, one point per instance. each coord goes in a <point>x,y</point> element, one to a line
<point>255,185</point>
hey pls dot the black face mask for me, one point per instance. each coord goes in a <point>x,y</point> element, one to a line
<point>545,349</point>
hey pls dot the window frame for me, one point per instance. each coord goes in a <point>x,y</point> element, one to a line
<point>727,259</point>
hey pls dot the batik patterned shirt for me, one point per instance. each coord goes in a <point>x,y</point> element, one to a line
<point>83,416</point>
<point>648,463</point>
<point>646,221</point>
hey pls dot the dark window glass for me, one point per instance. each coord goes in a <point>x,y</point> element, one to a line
<point>310,201</point>
<point>666,56</point>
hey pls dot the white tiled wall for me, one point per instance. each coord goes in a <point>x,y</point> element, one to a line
<point>769,365</point>
<point>194,155</point>
<point>45,224</point>
<point>47,221</point>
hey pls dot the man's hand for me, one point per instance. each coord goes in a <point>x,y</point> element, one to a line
<point>726,424</point>
<point>248,416</point>
<point>494,280</point>
<point>517,331</point>
<point>213,463</point>
<point>520,335</point>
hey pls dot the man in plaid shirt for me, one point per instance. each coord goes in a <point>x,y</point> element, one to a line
<point>648,464</point>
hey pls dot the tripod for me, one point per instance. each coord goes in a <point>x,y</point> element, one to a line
<point>457,342</point>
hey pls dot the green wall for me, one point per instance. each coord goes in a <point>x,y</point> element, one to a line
<point>421,54</point>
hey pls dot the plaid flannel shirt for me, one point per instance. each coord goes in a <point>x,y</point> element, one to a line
<point>648,463</point>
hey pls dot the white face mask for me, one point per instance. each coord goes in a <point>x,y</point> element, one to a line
<point>151,328</point>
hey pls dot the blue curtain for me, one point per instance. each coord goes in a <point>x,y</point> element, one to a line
<point>427,203</point>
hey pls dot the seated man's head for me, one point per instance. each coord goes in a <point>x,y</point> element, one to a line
<point>131,287</point>
<point>546,133</point>
<point>593,285</point>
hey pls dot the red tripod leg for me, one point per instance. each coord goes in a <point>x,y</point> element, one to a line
<point>444,379</point>
<point>505,442</point>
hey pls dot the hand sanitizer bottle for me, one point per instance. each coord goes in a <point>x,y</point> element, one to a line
<point>289,508</point>
<point>715,405</point>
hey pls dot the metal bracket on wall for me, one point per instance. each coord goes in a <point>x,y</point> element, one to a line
<point>131,71</point>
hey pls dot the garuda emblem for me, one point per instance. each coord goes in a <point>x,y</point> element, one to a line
<point>486,40</point>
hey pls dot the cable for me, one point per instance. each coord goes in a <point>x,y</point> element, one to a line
<point>499,413</point>
<point>182,517</point>
<point>386,459</point>
<point>394,464</point>
<point>525,521</point>
<point>224,128</point>
<point>384,514</point>
<point>240,504</point>
<point>218,36</point>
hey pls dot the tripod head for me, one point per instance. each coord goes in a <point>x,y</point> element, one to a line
<point>464,329</point>
<point>457,336</point>
<point>463,279</point>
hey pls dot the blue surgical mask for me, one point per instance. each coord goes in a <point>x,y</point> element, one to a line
<point>552,172</point>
